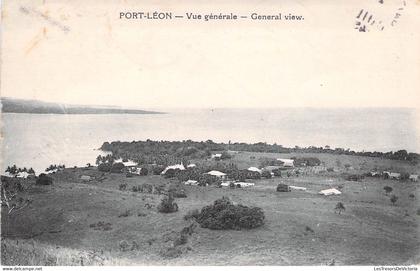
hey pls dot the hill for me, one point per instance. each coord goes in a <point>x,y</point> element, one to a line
<point>12,105</point>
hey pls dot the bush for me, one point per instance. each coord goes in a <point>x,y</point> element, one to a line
<point>122,186</point>
<point>266,174</point>
<point>393,199</point>
<point>339,207</point>
<point>171,173</point>
<point>306,161</point>
<point>283,188</point>
<point>330,169</point>
<point>177,192</point>
<point>44,179</point>
<point>405,176</point>
<point>104,167</point>
<point>225,215</point>
<point>157,170</point>
<point>276,172</point>
<point>225,155</point>
<point>144,171</point>
<point>387,189</point>
<point>117,168</point>
<point>167,205</point>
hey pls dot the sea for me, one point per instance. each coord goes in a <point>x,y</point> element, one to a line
<point>38,140</point>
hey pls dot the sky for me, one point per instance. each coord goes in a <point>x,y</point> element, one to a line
<point>80,52</point>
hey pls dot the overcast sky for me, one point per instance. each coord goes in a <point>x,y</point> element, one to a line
<point>101,59</point>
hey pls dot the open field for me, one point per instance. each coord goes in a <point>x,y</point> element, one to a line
<point>301,227</point>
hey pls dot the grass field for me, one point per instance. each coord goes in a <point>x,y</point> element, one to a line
<point>301,227</point>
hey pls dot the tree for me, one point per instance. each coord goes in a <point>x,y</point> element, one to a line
<point>339,208</point>
<point>387,189</point>
<point>13,170</point>
<point>393,199</point>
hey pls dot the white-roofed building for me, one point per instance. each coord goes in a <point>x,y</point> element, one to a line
<point>255,169</point>
<point>217,174</point>
<point>180,167</point>
<point>286,162</point>
<point>329,192</point>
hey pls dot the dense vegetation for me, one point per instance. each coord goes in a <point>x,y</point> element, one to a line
<point>223,215</point>
<point>168,152</point>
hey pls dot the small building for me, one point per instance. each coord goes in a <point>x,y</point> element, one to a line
<point>255,169</point>
<point>86,178</point>
<point>286,162</point>
<point>22,175</point>
<point>135,170</point>
<point>297,187</point>
<point>128,163</point>
<point>191,165</point>
<point>414,177</point>
<point>216,156</point>
<point>244,184</point>
<point>217,174</point>
<point>375,174</point>
<point>174,167</point>
<point>329,192</point>
<point>391,175</point>
<point>191,182</point>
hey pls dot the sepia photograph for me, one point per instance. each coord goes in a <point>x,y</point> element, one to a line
<point>184,133</point>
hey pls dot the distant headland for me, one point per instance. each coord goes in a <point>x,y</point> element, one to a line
<point>13,105</point>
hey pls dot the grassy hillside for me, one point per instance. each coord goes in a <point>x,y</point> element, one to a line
<point>301,227</point>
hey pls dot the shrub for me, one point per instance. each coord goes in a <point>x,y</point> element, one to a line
<point>306,161</point>
<point>387,189</point>
<point>405,176</point>
<point>339,207</point>
<point>225,215</point>
<point>283,188</point>
<point>117,168</point>
<point>411,196</point>
<point>170,173</point>
<point>104,167</point>
<point>144,171</point>
<point>276,172</point>
<point>122,186</point>
<point>330,169</point>
<point>393,199</point>
<point>44,179</point>
<point>177,192</point>
<point>225,155</point>
<point>167,205</point>
<point>253,175</point>
<point>157,170</point>
<point>266,174</point>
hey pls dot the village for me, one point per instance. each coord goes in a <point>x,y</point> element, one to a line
<point>301,208</point>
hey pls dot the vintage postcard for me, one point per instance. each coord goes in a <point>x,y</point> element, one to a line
<point>222,133</point>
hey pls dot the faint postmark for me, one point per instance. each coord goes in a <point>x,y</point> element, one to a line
<point>382,15</point>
